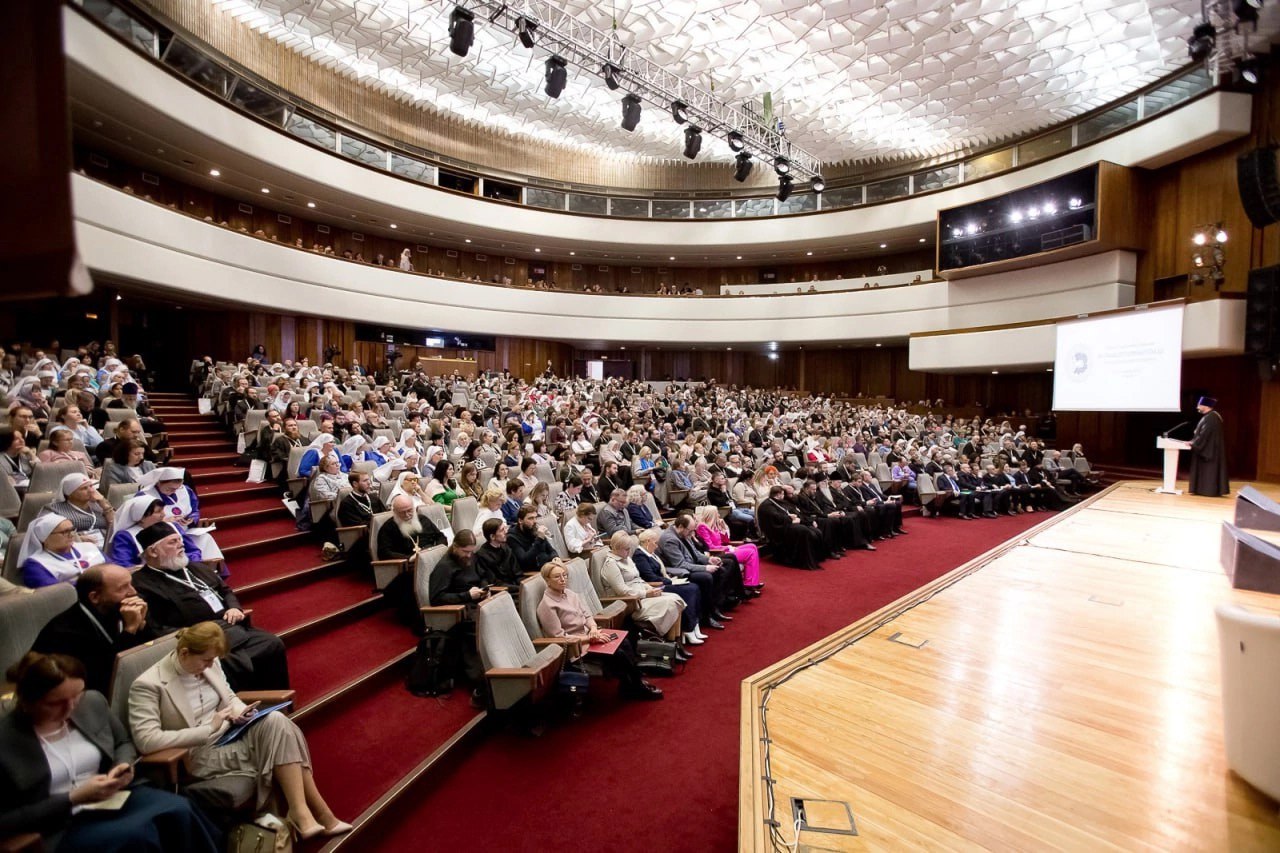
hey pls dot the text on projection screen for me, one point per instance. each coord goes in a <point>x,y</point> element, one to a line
<point>1126,362</point>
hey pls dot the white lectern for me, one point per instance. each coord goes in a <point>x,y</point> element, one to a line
<point>1170,446</point>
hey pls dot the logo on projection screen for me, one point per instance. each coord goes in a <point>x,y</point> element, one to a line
<point>1081,364</point>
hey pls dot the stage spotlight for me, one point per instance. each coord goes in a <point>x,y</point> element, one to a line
<point>1201,43</point>
<point>462,30</point>
<point>1015,217</point>
<point>1247,11</point>
<point>1075,203</point>
<point>736,142</point>
<point>1050,208</point>
<point>743,170</point>
<point>819,183</point>
<point>1198,259</point>
<point>679,111</point>
<point>784,187</point>
<point>957,232</point>
<point>1250,70</point>
<point>611,73</point>
<point>1220,235</point>
<point>630,112</point>
<point>557,76</point>
<point>971,228</point>
<point>692,141</point>
<point>1199,239</point>
<point>525,29</point>
<point>781,165</point>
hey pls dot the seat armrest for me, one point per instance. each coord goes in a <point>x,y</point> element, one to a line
<point>170,760</point>
<point>266,697</point>
<point>572,647</point>
<point>400,561</point>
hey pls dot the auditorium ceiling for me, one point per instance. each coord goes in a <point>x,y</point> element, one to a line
<point>853,80</point>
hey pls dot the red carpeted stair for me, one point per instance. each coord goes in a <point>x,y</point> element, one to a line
<point>633,776</point>
<point>347,654</point>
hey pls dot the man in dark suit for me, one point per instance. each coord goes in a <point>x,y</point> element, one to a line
<point>1004,493</point>
<point>179,595</point>
<point>651,570</point>
<point>108,618</point>
<point>948,492</point>
<point>682,559</point>
<point>979,493</point>
<point>876,499</point>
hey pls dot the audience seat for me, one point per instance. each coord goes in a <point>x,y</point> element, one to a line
<point>117,415</point>
<point>610,616</point>
<point>32,505</point>
<point>10,501</point>
<point>594,569</point>
<point>118,494</point>
<point>439,617</point>
<point>514,668</point>
<point>383,570</point>
<point>532,589</point>
<point>47,476</point>
<point>1249,645</point>
<point>22,617</point>
<point>464,514</point>
<point>435,514</point>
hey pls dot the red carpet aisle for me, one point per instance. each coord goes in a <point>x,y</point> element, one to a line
<point>346,653</point>
<point>650,776</point>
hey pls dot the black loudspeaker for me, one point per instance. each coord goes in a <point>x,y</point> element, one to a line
<point>1261,337</point>
<point>1259,184</point>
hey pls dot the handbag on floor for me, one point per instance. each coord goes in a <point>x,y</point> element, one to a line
<point>573,682</point>
<point>656,657</point>
<point>268,835</point>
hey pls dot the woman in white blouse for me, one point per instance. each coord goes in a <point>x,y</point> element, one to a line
<point>184,701</point>
<point>580,535</point>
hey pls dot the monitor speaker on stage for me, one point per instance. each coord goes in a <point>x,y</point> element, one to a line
<point>1259,182</point>
<point>1256,511</point>
<point>1249,561</point>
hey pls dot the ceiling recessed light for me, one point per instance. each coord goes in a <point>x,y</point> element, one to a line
<point>924,239</point>
<point>877,344</point>
<point>739,257</point>
<point>393,225</point>
<point>672,258</point>
<point>995,373</point>
<point>311,204</point>
<point>213,173</point>
<point>730,349</point>
<point>573,253</point>
<point>537,250</point>
<point>159,150</point>
<point>810,254</point>
<point>468,239</point>
<point>267,191</point>
<point>621,347</point>
<point>884,245</point>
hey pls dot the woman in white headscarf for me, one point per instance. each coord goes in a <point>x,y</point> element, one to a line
<point>351,451</point>
<point>85,507</point>
<point>50,554</point>
<point>181,507</point>
<point>136,514</point>
<point>322,445</point>
<point>409,483</point>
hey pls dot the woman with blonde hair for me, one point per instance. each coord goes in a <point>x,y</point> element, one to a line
<point>540,498</point>
<point>184,701</point>
<point>490,507</point>
<point>657,611</point>
<point>714,533</point>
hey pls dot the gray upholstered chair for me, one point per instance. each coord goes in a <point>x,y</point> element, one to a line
<point>606,616</point>
<point>594,568</point>
<point>464,514</point>
<point>383,570</point>
<point>1249,645</point>
<point>10,502</point>
<point>435,514</point>
<point>12,571</point>
<point>514,668</point>
<point>441,617</point>
<point>348,537</point>
<point>47,476</point>
<point>32,505</point>
<point>118,414</point>
<point>118,494</point>
<point>23,616</point>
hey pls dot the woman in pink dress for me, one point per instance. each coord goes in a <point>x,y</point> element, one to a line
<point>714,533</point>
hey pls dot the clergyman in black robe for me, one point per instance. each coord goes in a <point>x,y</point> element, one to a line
<point>1209,453</point>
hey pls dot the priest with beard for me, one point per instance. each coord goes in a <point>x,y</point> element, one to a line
<point>795,544</point>
<point>496,559</point>
<point>406,533</point>
<point>179,594</point>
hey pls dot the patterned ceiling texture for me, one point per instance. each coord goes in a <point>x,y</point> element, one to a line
<point>854,80</point>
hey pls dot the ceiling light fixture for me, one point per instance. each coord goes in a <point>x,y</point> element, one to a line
<point>610,72</point>
<point>1250,70</point>
<point>781,165</point>
<point>525,29</point>
<point>214,173</point>
<point>1201,43</point>
<point>462,31</point>
<point>884,245</point>
<point>784,187</point>
<point>679,111</point>
<point>267,191</point>
<point>311,204</point>
<point>557,76</point>
<point>819,183</point>
<point>692,141</point>
<point>743,168</point>
<point>630,112</point>
<point>393,225</point>
<point>736,141</point>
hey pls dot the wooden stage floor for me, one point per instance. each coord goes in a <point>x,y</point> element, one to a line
<point>1059,693</point>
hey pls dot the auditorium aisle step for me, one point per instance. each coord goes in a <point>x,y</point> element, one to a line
<point>347,652</point>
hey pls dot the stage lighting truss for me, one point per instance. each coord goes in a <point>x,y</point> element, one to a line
<point>1208,254</point>
<point>1220,39</point>
<point>599,52</point>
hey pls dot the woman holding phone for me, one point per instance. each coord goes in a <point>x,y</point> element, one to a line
<point>66,762</point>
<point>184,701</point>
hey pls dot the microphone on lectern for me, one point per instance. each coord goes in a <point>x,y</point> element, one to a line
<point>1171,429</point>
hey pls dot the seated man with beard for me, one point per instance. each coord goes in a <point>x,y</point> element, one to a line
<point>180,594</point>
<point>496,558</point>
<point>407,533</point>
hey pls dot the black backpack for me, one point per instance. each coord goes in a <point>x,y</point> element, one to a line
<point>434,665</point>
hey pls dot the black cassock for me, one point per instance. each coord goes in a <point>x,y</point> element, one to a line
<point>1209,458</point>
<point>794,544</point>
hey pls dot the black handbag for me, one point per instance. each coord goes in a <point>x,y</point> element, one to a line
<point>573,682</point>
<point>656,657</point>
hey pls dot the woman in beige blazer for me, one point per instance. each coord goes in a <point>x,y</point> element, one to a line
<point>184,701</point>
<point>659,610</point>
